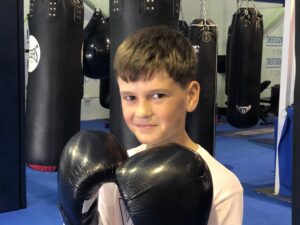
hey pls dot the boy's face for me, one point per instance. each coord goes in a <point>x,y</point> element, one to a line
<point>155,110</point>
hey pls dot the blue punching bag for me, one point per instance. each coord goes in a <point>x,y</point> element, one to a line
<point>244,55</point>
<point>127,16</point>
<point>55,81</point>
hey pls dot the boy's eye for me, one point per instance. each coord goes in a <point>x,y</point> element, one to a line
<point>129,98</point>
<point>158,95</point>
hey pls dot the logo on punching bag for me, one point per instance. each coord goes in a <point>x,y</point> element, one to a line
<point>196,48</point>
<point>243,109</point>
<point>34,54</point>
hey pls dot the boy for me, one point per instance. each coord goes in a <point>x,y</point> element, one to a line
<point>155,69</point>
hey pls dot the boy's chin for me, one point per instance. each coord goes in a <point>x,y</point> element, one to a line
<point>150,144</point>
<point>149,139</point>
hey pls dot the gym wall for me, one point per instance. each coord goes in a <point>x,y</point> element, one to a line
<point>221,13</point>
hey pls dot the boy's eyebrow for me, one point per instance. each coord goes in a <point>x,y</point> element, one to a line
<point>159,90</point>
<point>126,92</point>
<point>149,91</point>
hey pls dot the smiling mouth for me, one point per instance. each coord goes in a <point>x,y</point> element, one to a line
<point>145,125</point>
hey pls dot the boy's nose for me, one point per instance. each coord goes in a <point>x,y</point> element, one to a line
<point>143,110</point>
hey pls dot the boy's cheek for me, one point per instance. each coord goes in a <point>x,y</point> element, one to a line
<point>127,116</point>
<point>124,108</point>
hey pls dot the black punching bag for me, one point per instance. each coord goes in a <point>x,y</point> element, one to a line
<point>127,16</point>
<point>296,140</point>
<point>228,46</point>
<point>244,68</point>
<point>96,47</point>
<point>201,122</point>
<point>55,81</point>
<point>104,96</point>
<point>12,113</point>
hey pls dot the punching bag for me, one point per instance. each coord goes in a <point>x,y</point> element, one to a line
<point>296,140</point>
<point>104,96</point>
<point>96,47</point>
<point>200,123</point>
<point>12,113</point>
<point>127,16</point>
<point>183,27</point>
<point>228,45</point>
<point>55,81</point>
<point>244,57</point>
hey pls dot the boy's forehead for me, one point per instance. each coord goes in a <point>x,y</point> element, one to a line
<point>159,79</point>
<point>146,77</point>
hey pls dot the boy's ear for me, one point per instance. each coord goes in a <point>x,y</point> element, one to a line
<point>193,95</point>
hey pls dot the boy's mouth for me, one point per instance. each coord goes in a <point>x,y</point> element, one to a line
<point>145,127</point>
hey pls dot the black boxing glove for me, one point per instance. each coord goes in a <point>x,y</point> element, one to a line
<point>166,185</point>
<point>88,160</point>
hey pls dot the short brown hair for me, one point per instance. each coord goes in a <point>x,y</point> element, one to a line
<point>153,49</point>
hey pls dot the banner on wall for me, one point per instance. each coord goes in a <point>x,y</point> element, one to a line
<point>272,47</point>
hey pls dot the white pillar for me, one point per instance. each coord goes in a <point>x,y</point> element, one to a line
<point>287,77</point>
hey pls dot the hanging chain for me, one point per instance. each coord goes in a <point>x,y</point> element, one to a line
<point>181,11</point>
<point>247,4</point>
<point>240,3</point>
<point>204,14</point>
<point>253,4</point>
<point>203,11</point>
<point>97,6</point>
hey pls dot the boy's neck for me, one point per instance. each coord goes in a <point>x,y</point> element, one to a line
<point>188,143</point>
